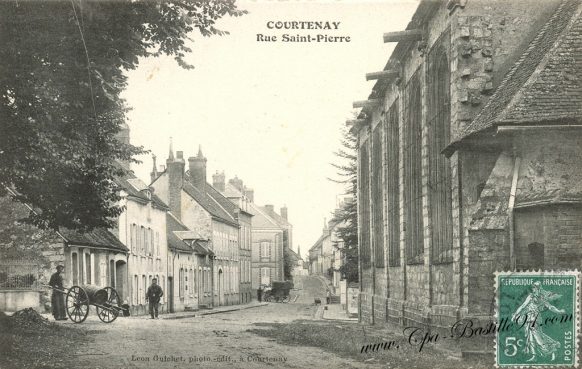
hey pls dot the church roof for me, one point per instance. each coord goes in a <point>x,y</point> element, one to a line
<point>545,84</point>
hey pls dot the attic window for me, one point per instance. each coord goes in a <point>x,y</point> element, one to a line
<point>148,194</point>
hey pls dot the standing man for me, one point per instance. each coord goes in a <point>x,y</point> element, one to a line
<point>58,296</point>
<point>153,295</point>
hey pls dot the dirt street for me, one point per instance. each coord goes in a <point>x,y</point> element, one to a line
<point>219,340</point>
<point>278,335</point>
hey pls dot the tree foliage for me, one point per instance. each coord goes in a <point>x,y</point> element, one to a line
<point>61,76</point>
<point>288,264</point>
<point>346,216</point>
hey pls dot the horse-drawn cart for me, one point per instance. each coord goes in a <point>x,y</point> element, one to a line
<point>279,292</point>
<point>106,301</point>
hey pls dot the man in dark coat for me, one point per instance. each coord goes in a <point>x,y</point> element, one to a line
<point>58,297</point>
<point>153,295</point>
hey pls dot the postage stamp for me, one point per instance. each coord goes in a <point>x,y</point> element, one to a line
<point>537,317</point>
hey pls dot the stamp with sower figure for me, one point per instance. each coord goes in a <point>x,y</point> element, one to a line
<point>537,316</point>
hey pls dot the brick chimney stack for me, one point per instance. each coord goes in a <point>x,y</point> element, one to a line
<point>154,172</point>
<point>237,183</point>
<point>218,181</point>
<point>284,212</point>
<point>270,209</point>
<point>249,193</point>
<point>175,170</point>
<point>197,167</point>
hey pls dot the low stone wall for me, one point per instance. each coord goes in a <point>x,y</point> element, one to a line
<point>14,300</point>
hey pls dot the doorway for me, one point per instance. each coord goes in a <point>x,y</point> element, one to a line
<point>121,278</point>
<point>171,294</point>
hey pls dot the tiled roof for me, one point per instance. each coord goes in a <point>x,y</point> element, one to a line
<point>545,83</point>
<point>98,237</point>
<point>524,199</point>
<point>276,217</point>
<point>201,247</point>
<point>175,242</point>
<point>556,92</point>
<point>134,186</point>
<point>224,203</point>
<point>318,243</point>
<point>231,192</point>
<point>294,255</point>
<point>262,220</point>
<point>210,201</point>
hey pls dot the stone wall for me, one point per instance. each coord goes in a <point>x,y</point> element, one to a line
<point>482,41</point>
<point>25,244</point>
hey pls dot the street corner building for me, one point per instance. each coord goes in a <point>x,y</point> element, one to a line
<point>469,158</point>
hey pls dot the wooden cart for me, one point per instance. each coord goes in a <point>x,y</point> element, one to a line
<point>106,301</point>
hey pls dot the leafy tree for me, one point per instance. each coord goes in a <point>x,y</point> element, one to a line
<point>288,264</point>
<point>346,216</point>
<point>61,76</point>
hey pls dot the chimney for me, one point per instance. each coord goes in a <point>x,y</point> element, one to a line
<point>237,183</point>
<point>270,209</point>
<point>154,172</point>
<point>250,194</point>
<point>197,167</point>
<point>175,180</point>
<point>284,212</point>
<point>218,181</point>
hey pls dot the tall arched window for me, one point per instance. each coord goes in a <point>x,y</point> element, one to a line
<point>377,199</point>
<point>392,142</point>
<point>364,203</point>
<point>412,151</point>
<point>439,168</point>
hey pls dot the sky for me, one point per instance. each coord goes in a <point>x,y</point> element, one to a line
<point>267,112</point>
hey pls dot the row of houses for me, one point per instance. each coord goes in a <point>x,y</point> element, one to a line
<point>207,245</point>
<point>327,255</point>
<point>469,158</point>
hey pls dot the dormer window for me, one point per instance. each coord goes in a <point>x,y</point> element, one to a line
<point>147,192</point>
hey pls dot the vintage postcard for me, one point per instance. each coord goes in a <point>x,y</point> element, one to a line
<point>290,183</point>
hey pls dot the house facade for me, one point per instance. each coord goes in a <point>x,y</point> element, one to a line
<point>189,268</point>
<point>234,190</point>
<point>469,158</point>
<point>142,229</point>
<point>267,248</point>
<point>321,253</point>
<point>202,209</point>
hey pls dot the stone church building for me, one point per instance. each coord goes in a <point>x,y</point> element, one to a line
<point>469,157</point>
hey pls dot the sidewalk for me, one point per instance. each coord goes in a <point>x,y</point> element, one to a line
<point>216,310</point>
<point>182,314</point>
<point>335,312</point>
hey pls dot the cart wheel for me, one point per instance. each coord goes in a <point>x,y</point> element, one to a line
<point>77,304</point>
<point>109,313</point>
